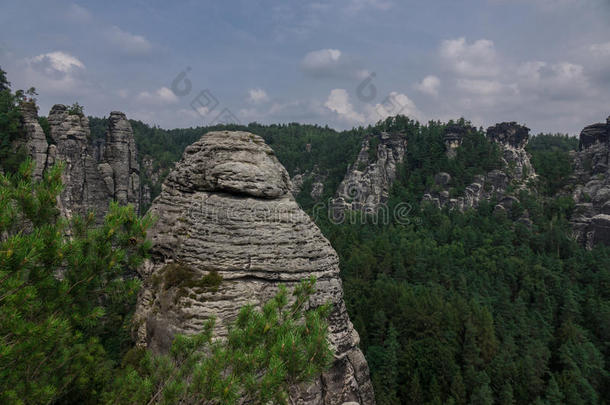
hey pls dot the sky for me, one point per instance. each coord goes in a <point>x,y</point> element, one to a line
<point>341,63</point>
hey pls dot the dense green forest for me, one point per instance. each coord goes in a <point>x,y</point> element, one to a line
<point>463,308</point>
<point>474,308</point>
<point>451,307</point>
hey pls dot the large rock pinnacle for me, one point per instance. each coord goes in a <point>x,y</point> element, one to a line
<point>226,211</point>
<point>120,168</point>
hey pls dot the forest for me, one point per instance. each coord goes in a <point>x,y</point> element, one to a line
<point>452,307</point>
<point>459,308</point>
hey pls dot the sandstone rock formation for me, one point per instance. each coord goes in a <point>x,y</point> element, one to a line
<point>368,180</point>
<point>120,169</point>
<point>94,174</point>
<point>453,138</point>
<point>35,141</point>
<point>84,188</point>
<point>591,217</point>
<point>226,209</point>
<point>517,171</point>
<point>317,183</point>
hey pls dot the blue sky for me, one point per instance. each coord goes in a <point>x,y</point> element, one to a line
<point>342,63</point>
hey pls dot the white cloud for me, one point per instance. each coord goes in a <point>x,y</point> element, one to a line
<point>127,42</point>
<point>600,49</point>
<point>161,96</point>
<point>338,102</point>
<point>429,85</point>
<point>322,61</point>
<point>395,103</point>
<point>55,72</point>
<point>476,59</point>
<point>563,80</point>
<point>481,87</point>
<point>257,96</point>
<point>54,62</point>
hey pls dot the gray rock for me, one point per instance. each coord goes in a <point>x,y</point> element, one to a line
<point>94,173</point>
<point>517,169</point>
<point>35,142</point>
<point>227,207</point>
<point>120,155</point>
<point>591,183</point>
<point>84,189</point>
<point>366,185</point>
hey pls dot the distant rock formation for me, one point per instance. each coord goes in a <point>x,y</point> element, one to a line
<point>512,139</point>
<point>454,134</point>
<point>366,186</point>
<point>94,174</point>
<point>35,141</point>
<point>591,217</point>
<point>317,183</point>
<point>120,168</point>
<point>517,171</point>
<point>226,210</point>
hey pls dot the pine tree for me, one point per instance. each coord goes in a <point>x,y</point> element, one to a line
<point>265,353</point>
<point>61,297</point>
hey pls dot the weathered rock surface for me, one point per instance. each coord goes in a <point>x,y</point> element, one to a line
<point>84,188</point>
<point>35,142</point>
<point>590,219</point>
<point>454,134</point>
<point>368,180</point>
<point>517,170</point>
<point>317,183</point>
<point>121,171</point>
<point>227,208</point>
<point>94,174</point>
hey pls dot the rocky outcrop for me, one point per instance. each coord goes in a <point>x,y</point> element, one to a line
<point>84,189</point>
<point>317,183</point>
<point>120,169</point>
<point>35,141</point>
<point>366,186</point>
<point>591,181</point>
<point>94,173</point>
<point>454,134</point>
<point>226,210</point>
<point>512,138</point>
<point>517,172</point>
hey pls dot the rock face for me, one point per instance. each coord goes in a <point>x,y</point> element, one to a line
<point>226,209</point>
<point>317,183</point>
<point>120,168</point>
<point>516,171</point>
<point>591,217</point>
<point>84,188</point>
<point>35,142</point>
<point>94,174</point>
<point>368,181</point>
<point>453,138</point>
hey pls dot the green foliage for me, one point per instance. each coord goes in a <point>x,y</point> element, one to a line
<point>373,145</point>
<point>65,305</point>
<point>266,351</point>
<point>75,109</point>
<point>10,126</point>
<point>472,307</point>
<point>551,160</point>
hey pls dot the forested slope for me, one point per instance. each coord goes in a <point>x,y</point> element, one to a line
<point>455,307</point>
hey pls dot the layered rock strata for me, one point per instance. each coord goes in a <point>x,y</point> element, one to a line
<point>94,173</point>
<point>226,212</point>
